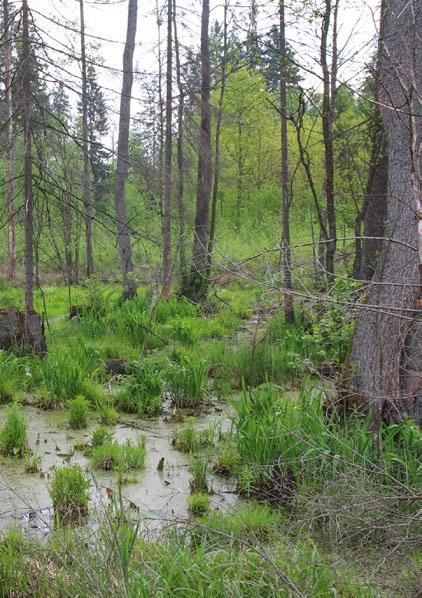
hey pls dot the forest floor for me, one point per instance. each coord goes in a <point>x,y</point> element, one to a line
<point>212,469</point>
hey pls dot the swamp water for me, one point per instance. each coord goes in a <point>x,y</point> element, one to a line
<point>160,496</point>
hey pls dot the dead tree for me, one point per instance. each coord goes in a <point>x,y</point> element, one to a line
<point>196,283</point>
<point>123,232</point>
<point>166,222</point>
<point>86,181</point>
<point>11,237</point>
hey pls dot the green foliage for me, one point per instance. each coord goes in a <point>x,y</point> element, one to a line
<point>101,435</point>
<point>226,460</point>
<point>141,393</point>
<point>199,503</point>
<point>13,435</point>
<point>186,381</point>
<point>64,375</point>
<point>78,412</point>
<point>108,414</point>
<point>69,492</point>
<point>15,375</point>
<point>113,456</point>
<point>15,576</point>
<point>198,466</point>
<point>32,463</point>
<point>188,439</point>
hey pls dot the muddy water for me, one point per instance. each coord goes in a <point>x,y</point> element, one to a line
<point>159,495</point>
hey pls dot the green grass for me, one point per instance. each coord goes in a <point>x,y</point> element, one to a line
<point>186,381</point>
<point>188,439</point>
<point>198,467</point>
<point>113,456</point>
<point>69,492</point>
<point>78,412</point>
<point>199,503</point>
<point>13,435</point>
<point>100,436</point>
<point>141,392</point>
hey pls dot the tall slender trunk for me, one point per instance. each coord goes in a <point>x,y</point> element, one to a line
<point>180,153</point>
<point>218,127</point>
<point>328,108</point>
<point>195,286</point>
<point>285,190</point>
<point>86,181</point>
<point>11,237</point>
<point>27,134</point>
<point>160,118</point>
<point>123,232</point>
<point>166,224</point>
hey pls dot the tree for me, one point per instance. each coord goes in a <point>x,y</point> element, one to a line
<point>97,127</point>
<point>385,327</point>
<point>196,283</point>
<point>7,78</point>
<point>285,190</point>
<point>166,227</point>
<point>86,184</point>
<point>123,231</point>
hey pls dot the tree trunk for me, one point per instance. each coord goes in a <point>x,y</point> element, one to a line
<point>195,286</point>
<point>218,128</point>
<point>180,153</point>
<point>123,232</point>
<point>375,206</point>
<point>285,195</point>
<point>86,182</point>
<point>328,108</point>
<point>11,239</point>
<point>377,364</point>
<point>166,224</point>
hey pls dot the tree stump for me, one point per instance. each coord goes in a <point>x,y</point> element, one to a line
<point>20,330</point>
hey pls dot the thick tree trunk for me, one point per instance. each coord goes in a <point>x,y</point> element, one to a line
<point>382,327</point>
<point>195,286</point>
<point>86,181</point>
<point>166,223</point>
<point>11,240</point>
<point>218,128</point>
<point>123,232</point>
<point>180,200</point>
<point>286,254</point>
<point>375,203</point>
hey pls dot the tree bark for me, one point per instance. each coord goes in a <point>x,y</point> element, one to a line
<point>86,181</point>
<point>180,153</point>
<point>166,224</point>
<point>328,113</point>
<point>195,286</point>
<point>11,237</point>
<point>123,232</point>
<point>218,127</point>
<point>286,254</point>
<point>377,365</point>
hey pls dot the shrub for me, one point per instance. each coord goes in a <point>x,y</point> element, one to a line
<point>78,412</point>
<point>199,503</point>
<point>101,436</point>
<point>111,455</point>
<point>141,393</point>
<point>69,492</point>
<point>108,415</point>
<point>186,381</point>
<point>13,435</point>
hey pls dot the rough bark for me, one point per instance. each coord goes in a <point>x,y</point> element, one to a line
<point>123,232</point>
<point>86,180</point>
<point>195,286</point>
<point>11,237</point>
<point>217,156</point>
<point>180,201</point>
<point>166,223</point>
<point>383,326</point>
<point>286,254</point>
<point>328,111</point>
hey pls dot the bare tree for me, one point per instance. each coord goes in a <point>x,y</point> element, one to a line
<point>285,189</point>
<point>379,369</point>
<point>195,285</point>
<point>166,223</point>
<point>86,182</point>
<point>123,232</point>
<point>11,237</point>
